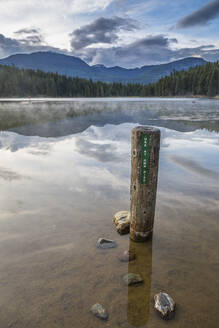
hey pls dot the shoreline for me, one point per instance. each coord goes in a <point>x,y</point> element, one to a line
<point>99,99</point>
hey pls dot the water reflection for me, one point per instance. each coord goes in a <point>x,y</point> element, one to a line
<point>58,196</point>
<point>56,119</point>
<point>193,166</point>
<point>139,297</point>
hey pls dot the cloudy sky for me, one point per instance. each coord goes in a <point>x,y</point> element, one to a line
<point>127,33</point>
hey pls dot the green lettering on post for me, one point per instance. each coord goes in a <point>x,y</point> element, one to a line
<point>145,158</point>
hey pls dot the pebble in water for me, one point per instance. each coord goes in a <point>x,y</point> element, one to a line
<point>99,311</point>
<point>127,256</point>
<point>165,305</point>
<point>106,243</point>
<point>122,222</point>
<point>132,279</point>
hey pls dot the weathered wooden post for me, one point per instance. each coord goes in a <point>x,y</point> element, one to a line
<point>144,172</point>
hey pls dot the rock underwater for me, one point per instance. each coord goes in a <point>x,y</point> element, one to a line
<point>99,311</point>
<point>127,256</point>
<point>106,243</point>
<point>165,305</point>
<point>132,279</point>
<point>122,222</point>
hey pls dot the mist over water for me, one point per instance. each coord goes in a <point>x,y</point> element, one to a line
<point>64,172</point>
<point>62,117</point>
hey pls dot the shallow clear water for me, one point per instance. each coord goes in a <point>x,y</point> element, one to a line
<point>65,172</point>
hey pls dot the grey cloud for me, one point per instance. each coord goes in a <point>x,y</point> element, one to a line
<point>157,40</point>
<point>31,43</point>
<point>30,36</point>
<point>32,39</point>
<point>8,43</point>
<point>208,52</point>
<point>27,31</point>
<point>146,51</point>
<point>151,49</point>
<point>102,30</point>
<point>200,16</point>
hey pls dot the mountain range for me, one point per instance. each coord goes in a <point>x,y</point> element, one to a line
<point>74,66</point>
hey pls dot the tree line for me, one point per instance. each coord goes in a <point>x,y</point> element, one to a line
<point>15,82</point>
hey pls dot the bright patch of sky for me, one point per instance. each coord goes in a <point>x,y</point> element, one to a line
<point>135,32</point>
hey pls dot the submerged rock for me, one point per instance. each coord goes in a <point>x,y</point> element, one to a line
<point>106,243</point>
<point>122,222</point>
<point>165,305</point>
<point>127,256</point>
<point>99,311</point>
<point>132,279</point>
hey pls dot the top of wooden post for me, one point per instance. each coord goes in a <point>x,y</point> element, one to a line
<point>146,130</point>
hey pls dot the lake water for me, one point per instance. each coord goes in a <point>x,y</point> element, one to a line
<point>64,172</point>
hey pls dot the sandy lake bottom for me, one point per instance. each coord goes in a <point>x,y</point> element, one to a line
<point>64,172</point>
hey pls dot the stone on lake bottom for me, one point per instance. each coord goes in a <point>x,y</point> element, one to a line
<point>165,305</point>
<point>132,279</point>
<point>99,311</point>
<point>127,256</point>
<point>106,243</point>
<point>122,222</point>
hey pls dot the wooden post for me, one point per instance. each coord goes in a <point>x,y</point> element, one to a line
<point>144,172</point>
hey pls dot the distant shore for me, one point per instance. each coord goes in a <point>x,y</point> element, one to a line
<point>132,98</point>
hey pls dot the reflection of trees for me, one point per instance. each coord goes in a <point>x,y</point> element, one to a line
<point>51,119</point>
<point>139,296</point>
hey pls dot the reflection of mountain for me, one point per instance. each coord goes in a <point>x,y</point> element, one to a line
<point>14,142</point>
<point>55,119</point>
<point>106,152</point>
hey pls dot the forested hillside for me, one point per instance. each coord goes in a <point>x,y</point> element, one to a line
<point>200,80</point>
<point>14,82</point>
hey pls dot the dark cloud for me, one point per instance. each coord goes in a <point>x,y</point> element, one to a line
<point>102,30</point>
<point>8,43</point>
<point>156,41</point>
<point>30,43</point>
<point>32,40</point>
<point>151,49</point>
<point>146,51</point>
<point>28,31</point>
<point>30,36</point>
<point>200,16</point>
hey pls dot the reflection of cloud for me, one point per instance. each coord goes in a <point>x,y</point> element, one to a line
<point>41,149</point>
<point>15,142</point>
<point>192,166</point>
<point>9,175</point>
<point>38,152</point>
<point>101,152</point>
